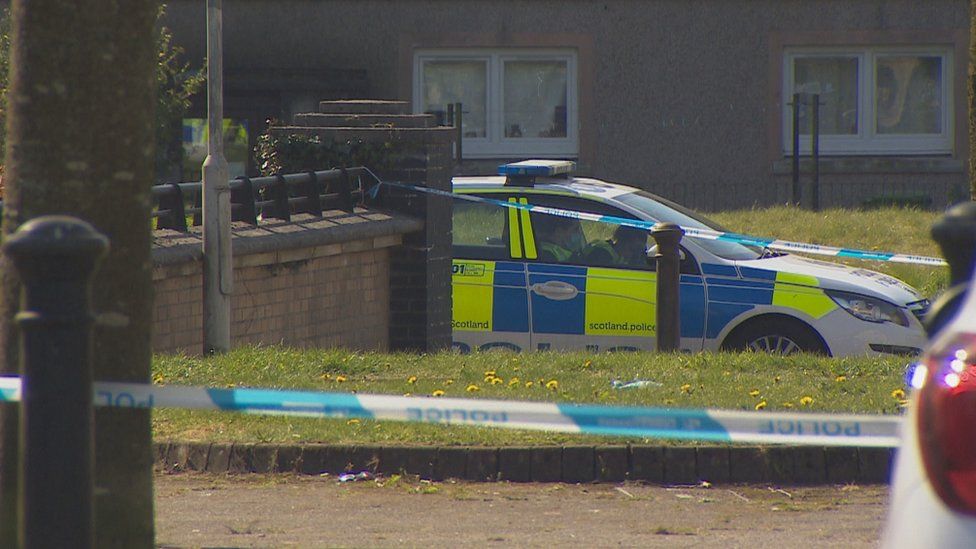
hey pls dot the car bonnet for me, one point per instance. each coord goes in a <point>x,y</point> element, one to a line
<point>835,276</point>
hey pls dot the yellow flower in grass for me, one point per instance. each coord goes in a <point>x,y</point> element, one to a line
<point>340,379</point>
<point>490,379</point>
<point>587,363</point>
<point>353,421</point>
<point>472,388</point>
<point>412,379</point>
<point>754,393</point>
<point>437,393</point>
<point>806,401</point>
<point>513,382</point>
<point>497,380</point>
<point>838,379</point>
<point>552,384</point>
<point>490,373</point>
<point>898,394</point>
<point>448,382</point>
<point>686,388</point>
<point>761,405</point>
<point>787,405</point>
<point>529,383</point>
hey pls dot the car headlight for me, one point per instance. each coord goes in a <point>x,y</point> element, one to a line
<point>869,308</point>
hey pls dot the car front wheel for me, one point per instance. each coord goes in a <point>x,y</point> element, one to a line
<point>775,335</point>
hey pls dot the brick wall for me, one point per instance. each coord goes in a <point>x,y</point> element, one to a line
<point>295,283</point>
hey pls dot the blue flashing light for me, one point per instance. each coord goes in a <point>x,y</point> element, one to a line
<point>537,168</point>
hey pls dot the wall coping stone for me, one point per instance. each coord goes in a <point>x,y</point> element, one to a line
<point>274,235</point>
<point>436,135</point>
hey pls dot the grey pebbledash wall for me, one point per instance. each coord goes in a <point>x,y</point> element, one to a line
<point>679,97</point>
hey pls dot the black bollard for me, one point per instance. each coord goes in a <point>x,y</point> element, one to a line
<point>955,233</point>
<point>55,257</point>
<point>667,236</point>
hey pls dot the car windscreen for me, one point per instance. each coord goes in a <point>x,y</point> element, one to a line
<point>661,209</point>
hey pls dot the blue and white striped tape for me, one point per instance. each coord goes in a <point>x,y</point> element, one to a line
<point>771,243</point>
<point>665,423</point>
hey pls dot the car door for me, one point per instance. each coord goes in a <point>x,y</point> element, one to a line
<point>488,278</point>
<point>578,303</point>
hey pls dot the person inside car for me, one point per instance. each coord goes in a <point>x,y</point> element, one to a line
<point>626,248</point>
<point>558,238</point>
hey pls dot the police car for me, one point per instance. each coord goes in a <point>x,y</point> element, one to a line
<point>511,291</point>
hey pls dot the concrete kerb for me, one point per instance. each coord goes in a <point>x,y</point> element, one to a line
<point>667,465</point>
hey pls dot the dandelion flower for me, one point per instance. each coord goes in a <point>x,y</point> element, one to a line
<point>472,388</point>
<point>529,383</point>
<point>412,379</point>
<point>448,382</point>
<point>552,384</point>
<point>761,405</point>
<point>898,394</point>
<point>587,363</point>
<point>754,393</point>
<point>490,373</point>
<point>437,393</point>
<point>512,382</point>
<point>806,401</point>
<point>353,421</point>
<point>686,388</point>
<point>340,379</point>
<point>787,405</point>
<point>497,380</point>
<point>838,379</point>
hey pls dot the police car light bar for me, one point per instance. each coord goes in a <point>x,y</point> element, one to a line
<point>537,168</point>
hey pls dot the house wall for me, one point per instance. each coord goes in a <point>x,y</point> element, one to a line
<point>680,97</point>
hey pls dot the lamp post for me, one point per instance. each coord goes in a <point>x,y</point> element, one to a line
<point>218,274</point>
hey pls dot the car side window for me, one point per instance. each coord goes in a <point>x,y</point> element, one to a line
<point>597,244</point>
<point>479,231</point>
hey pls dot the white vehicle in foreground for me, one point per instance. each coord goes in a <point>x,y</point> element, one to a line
<point>933,492</point>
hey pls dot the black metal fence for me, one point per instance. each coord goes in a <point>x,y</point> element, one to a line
<point>271,197</point>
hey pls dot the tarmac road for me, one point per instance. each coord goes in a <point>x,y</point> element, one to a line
<point>205,510</point>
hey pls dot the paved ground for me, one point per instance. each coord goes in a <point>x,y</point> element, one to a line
<point>202,510</point>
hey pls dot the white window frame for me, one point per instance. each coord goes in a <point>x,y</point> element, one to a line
<point>495,144</point>
<point>867,141</point>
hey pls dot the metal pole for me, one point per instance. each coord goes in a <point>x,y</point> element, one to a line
<point>55,257</point>
<point>668,236</point>
<point>458,119</point>
<point>796,149</point>
<point>218,274</point>
<point>815,143</point>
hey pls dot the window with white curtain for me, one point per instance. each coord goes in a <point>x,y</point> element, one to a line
<point>872,101</point>
<point>514,102</point>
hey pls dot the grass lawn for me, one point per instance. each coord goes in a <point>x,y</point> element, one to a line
<point>728,381</point>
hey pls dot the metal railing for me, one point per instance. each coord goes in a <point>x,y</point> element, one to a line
<point>276,196</point>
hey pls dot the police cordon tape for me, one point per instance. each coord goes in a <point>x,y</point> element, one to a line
<point>666,423</point>
<point>706,234</point>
